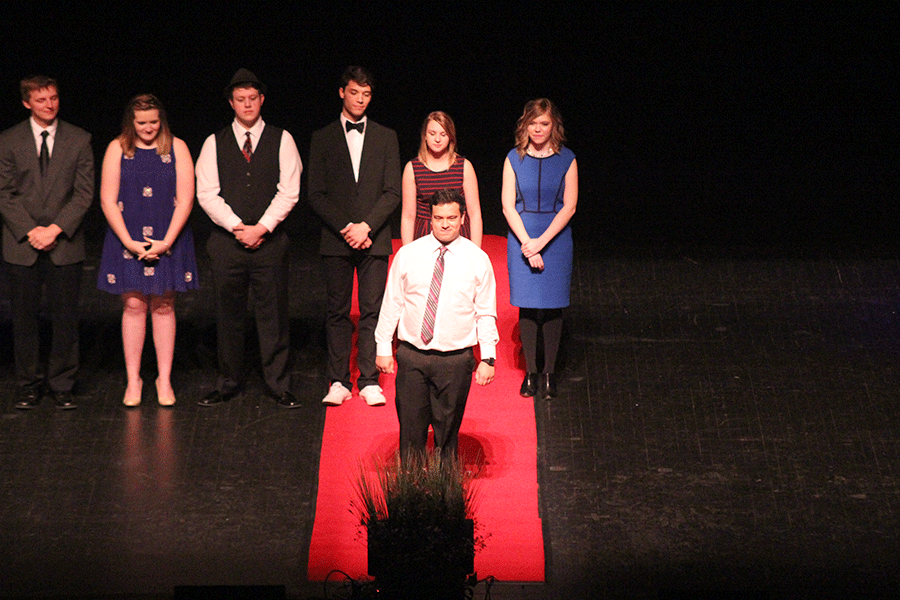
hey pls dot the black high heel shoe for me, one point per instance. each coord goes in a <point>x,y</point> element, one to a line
<point>529,385</point>
<point>548,386</point>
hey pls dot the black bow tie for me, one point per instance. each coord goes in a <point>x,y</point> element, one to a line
<point>360,127</point>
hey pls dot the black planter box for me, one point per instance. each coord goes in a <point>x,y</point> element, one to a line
<point>431,560</point>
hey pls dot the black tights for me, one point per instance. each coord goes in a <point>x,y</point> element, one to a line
<point>548,322</point>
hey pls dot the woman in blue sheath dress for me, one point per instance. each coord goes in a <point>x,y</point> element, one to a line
<point>540,191</point>
<point>146,193</point>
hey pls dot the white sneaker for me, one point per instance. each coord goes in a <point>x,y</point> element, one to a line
<point>337,394</point>
<point>372,395</point>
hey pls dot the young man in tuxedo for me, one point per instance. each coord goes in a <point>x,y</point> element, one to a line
<point>354,186</point>
<point>248,180</point>
<point>46,187</point>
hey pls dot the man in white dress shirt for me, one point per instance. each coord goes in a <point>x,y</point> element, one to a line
<point>248,180</point>
<point>441,299</point>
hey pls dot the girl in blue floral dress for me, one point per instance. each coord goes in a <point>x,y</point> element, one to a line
<point>146,193</point>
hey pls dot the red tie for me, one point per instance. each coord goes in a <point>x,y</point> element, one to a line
<point>433,293</point>
<point>248,148</point>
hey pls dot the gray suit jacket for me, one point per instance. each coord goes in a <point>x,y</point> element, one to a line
<point>62,196</point>
<point>338,199</point>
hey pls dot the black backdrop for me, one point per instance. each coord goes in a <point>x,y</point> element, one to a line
<point>722,125</point>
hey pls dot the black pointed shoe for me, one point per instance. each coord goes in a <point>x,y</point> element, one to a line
<point>29,397</point>
<point>215,397</point>
<point>529,385</point>
<point>548,386</point>
<point>288,400</point>
<point>64,400</point>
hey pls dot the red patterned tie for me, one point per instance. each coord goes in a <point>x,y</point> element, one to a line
<point>248,148</point>
<point>433,293</point>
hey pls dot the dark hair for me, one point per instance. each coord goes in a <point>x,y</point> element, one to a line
<point>128,137</point>
<point>533,110</point>
<point>35,83</point>
<point>449,196</point>
<point>360,75</point>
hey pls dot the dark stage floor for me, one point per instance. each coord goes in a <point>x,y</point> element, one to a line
<point>726,429</point>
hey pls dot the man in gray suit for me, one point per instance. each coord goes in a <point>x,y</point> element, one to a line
<point>46,187</point>
<point>354,186</point>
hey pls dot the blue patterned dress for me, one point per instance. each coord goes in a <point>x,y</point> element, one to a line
<point>540,184</point>
<point>147,192</point>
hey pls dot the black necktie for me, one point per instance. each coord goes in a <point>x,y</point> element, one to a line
<point>45,152</point>
<point>360,127</point>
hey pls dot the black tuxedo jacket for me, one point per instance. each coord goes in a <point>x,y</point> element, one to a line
<point>339,200</point>
<point>62,196</point>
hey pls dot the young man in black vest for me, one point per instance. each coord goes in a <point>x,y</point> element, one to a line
<point>354,186</point>
<point>248,180</point>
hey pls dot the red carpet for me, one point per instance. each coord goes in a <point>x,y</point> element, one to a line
<point>498,426</point>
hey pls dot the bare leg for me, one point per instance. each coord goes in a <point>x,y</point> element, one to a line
<point>162,314</point>
<point>134,328</point>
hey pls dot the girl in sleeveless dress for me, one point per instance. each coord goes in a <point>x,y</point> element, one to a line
<point>539,194</point>
<point>146,193</point>
<point>438,166</point>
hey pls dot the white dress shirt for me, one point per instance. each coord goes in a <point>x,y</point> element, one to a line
<point>39,139</point>
<point>355,141</point>
<point>286,197</point>
<point>467,306</point>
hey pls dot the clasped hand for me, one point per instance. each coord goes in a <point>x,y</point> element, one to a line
<point>43,238</point>
<point>149,250</point>
<point>357,235</point>
<point>531,250</point>
<point>250,236</point>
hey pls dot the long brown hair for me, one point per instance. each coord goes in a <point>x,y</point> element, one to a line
<point>533,110</point>
<point>128,137</point>
<point>444,120</point>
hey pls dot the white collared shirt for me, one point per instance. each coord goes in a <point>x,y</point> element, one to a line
<point>467,306</point>
<point>208,189</point>
<point>39,139</point>
<point>355,141</point>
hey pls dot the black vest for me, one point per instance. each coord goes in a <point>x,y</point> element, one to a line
<point>248,187</point>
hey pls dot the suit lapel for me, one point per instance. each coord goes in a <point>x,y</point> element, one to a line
<point>29,149</point>
<point>343,151</point>
<point>367,156</point>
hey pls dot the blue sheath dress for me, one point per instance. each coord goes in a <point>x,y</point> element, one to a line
<point>540,184</point>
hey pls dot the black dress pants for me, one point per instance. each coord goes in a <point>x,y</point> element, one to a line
<point>62,285</point>
<point>371,273</point>
<point>263,272</point>
<point>432,389</point>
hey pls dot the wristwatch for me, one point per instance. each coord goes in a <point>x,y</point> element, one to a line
<point>489,361</point>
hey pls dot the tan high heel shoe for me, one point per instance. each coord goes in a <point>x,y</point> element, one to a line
<point>136,400</point>
<point>163,401</point>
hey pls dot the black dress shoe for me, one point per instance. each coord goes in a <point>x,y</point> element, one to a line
<point>529,385</point>
<point>215,397</point>
<point>287,400</point>
<point>64,400</point>
<point>29,397</point>
<point>548,386</point>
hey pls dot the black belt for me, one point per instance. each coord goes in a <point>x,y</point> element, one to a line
<point>435,352</point>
